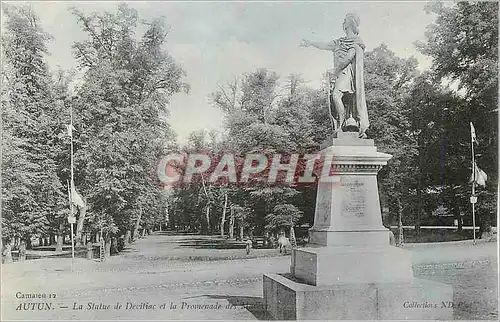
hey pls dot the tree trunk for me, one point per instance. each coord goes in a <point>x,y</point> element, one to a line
<point>137,224</point>
<point>59,245</point>
<point>128,237</point>
<point>207,216</point>
<point>458,216</point>
<point>90,253</point>
<point>241,230</point>
<point>419,188</point>
<point>114,246</point>
<point>207,213</point>
<point>143,232</point>
<point>400,224</point>
<point>223,219</point>
<point>107,246</point>
<point>7,252</point>
<point>231,224</point>
<point>22,250</point>
<point>79,226</point>
<point>102,248</point>
<point>293,241</point>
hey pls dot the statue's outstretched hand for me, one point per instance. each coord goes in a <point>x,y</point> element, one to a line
<point>305,43</point>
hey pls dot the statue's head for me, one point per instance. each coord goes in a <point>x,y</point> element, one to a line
<point>351,22</point>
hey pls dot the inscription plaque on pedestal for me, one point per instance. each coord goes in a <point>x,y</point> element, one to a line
<point>354,203</point>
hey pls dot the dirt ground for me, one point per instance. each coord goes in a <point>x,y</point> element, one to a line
<point>164,277</point>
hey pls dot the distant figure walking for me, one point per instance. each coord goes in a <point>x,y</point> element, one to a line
<point>283,243</point>
<point>392,239</point>
<point>248,245</point>
<point>271,242</point>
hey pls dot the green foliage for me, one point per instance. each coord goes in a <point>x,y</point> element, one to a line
<point>32,194</point>
<point>121,116</point>
<point>121,120</point>
<point>463,44</point>
<point>259,93</point>
<point>261,119</point>
<point>283,216</point>
<point>388,79</point>
<point>293,116</point>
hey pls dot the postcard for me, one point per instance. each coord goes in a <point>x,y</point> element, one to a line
<point>249,160</point>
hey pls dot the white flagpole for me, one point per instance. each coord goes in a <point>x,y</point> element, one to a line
<point>71,137</point>
<point>72,248</point>
<point>71,207</point>
<point>72,188</point>
<point>473,190</point>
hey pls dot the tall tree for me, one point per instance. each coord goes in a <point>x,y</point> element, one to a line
<point>260,119</point>
<point>463,44</point>
<point>388,78</point>
<point>121,116</point>
<point>32,193</point>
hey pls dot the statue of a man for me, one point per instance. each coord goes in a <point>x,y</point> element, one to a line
<point>346,78</point>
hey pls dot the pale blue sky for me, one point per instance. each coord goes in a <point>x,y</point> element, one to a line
<point>215,41</point>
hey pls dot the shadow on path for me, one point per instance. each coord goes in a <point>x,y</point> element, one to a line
<point>213,244</point>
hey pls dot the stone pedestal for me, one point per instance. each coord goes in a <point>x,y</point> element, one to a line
<point>349,270</point>
<point>347,204</point>
<point>287,298</point>
<point>352,264</point>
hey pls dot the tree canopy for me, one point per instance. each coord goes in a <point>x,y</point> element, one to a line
<point>122,128</point>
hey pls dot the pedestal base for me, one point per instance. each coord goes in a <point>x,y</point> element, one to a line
<point>352,264</point>
<point>328,237</point>
<point>350,271</point>
<point>286,298</point>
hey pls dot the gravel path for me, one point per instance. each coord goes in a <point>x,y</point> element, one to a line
<point>159,271</point>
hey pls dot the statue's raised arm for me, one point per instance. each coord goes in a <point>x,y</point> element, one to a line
<point>330,45</point>
<point>347,91</point>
